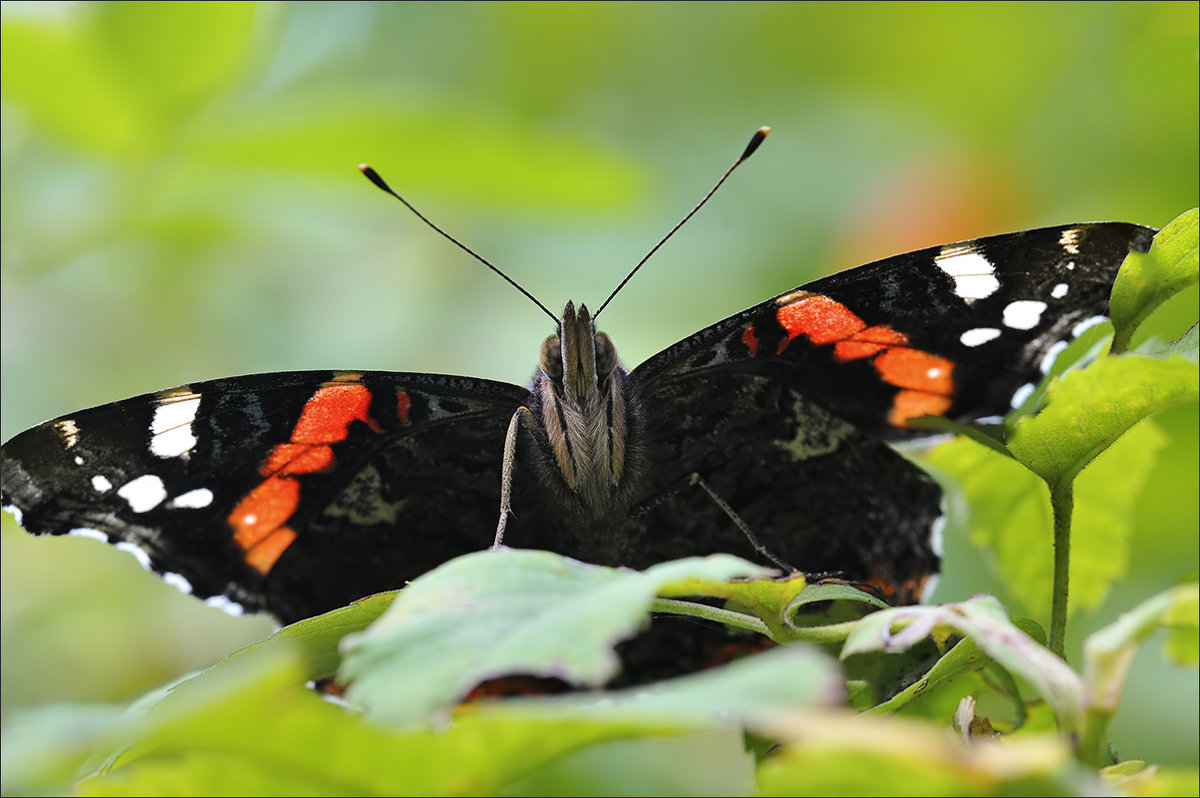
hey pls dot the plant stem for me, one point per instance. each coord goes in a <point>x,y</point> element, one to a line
<point>1062,502</point>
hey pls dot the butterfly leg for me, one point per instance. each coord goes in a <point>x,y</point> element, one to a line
<point>523,414</point>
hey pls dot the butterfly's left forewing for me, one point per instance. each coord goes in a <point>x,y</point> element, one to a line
<point>295,492</point>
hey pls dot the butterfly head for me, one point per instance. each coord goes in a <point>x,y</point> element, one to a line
<point>579,361</point>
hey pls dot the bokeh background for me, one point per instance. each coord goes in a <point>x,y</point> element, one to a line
<point>180,202</point>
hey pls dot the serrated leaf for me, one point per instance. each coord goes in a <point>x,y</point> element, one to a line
<point>1010,516</point>
<point>1091,408</point>
<point>1148,279</point>
<point>497,613</point>
<point>983,620</point>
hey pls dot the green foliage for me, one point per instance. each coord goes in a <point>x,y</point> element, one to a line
<point>496,613</point>
<point>1168,268</point>
<point>188,170</point>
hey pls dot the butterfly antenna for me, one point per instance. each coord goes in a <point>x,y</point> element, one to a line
<point>380,183</point>
<point>755,141</point>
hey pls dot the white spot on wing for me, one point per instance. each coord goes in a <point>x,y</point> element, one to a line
<point>85,532</point>
<point>138,553</point>
<point>171,427</point>
<point>144,493</point>
<point>193,499</point>
<point>177,580</point>
<point>1059,291</point>
<point>15,512</point>
<point>226,605</point>
<point>1022,393</point>
<point>1023,314</point>
<point>1069,241</point>
<point>974,275</point>
<point>101,483</point>
<point>78,460</point>
<point>1051,355</point>
<point>1087,324</point>
<point>978,336</point>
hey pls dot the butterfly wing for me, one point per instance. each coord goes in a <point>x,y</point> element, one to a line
<point>292,492</point>
<point>954,330</point>
<point>781,408</point>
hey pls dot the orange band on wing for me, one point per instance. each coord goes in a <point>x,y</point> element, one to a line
<point>926,379</point>
<point>259,519</point>
<point>264,510</point>
<point>821,319</point>
<point>262,556</point>
<point>908,405</point>
<point>327,415</point>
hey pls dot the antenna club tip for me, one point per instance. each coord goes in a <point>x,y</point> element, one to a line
<point>374,177</point>
<point>759,136</point>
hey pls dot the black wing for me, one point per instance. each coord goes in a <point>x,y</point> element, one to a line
<point>293,492</point>
<point>781,408</point>
<point>955,330</point>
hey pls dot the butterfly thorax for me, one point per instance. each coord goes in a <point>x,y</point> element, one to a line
<point>583,402</point>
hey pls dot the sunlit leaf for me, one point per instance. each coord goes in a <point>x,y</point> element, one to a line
<point>1148,279</point>
<point>1091,408</point>
<point>496,613</point>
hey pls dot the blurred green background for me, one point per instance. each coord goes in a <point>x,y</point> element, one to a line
<point>180,202</point>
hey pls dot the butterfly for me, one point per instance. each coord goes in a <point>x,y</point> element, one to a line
<point>766,435</point>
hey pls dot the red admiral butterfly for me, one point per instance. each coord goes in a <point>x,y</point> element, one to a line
<point>764,435</point>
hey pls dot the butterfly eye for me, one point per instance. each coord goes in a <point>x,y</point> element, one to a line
<point>606,356</point>
<point>550,359</point>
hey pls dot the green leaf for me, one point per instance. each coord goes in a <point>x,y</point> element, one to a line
<point>252,729</point>
<point>748,691</point>
<point>983,620</point>
<point>965,657</point>
<point>1010,516</point>
<point>1148,279</point>
<point>45,749</point>
<point>1090,408</point>
<point>318,638</point>
<point>840,754</point>
<point>1108,653</point>
<point>496,613</point>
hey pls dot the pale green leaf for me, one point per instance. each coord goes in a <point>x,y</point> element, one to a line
<point>496,613</point>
